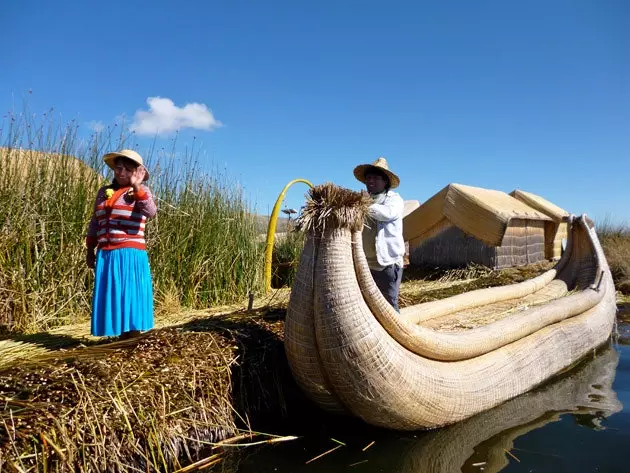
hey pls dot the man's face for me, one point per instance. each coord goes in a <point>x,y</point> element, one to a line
<point>375,183</point>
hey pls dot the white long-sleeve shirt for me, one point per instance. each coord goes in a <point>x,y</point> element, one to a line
<point>383,243</point>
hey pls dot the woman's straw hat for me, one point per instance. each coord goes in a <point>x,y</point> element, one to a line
<point>110,159</point>
<point>381,165</point>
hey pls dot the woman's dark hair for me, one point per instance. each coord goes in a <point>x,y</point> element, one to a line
<point>374,171</point>
<point>126,162</point>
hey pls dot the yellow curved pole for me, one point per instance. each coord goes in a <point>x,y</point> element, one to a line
<point>271,230</point>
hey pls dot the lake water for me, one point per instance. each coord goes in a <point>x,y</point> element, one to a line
<point>578,422</point>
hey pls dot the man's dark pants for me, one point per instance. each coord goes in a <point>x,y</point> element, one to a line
<point>388,281</point>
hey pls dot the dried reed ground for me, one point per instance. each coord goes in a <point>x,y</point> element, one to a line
<point>152,403</point>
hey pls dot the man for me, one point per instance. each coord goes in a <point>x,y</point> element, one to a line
<point>383,242</point>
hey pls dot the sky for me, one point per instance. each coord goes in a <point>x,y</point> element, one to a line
<point>499,94</point>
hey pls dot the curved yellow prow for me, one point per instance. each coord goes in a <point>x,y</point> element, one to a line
<point>271,230</point>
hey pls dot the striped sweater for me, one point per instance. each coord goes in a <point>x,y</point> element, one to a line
<point>119,222</point>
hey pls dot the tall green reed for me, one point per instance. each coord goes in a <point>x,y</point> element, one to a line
<point>615,238</point>
<point>286,255</point>
<point>202,244</point>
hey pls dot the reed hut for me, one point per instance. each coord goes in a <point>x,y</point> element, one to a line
<point>19,164</point>
<point>463,224</point>
<point>410,206</point>
<point>556,231</point>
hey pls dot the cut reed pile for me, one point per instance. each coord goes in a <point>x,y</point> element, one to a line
<point>149,403</point>
<point>155,403</point>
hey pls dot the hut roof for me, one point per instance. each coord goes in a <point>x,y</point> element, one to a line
<point>542,205</point>
<point>482,213</point>
<point>24,162</point>
<point>410,206</point>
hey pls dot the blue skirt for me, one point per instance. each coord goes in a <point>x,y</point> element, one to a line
<point>123,292</point>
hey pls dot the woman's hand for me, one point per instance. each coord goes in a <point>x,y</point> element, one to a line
<point>90,258</point>
<point>137,178</point>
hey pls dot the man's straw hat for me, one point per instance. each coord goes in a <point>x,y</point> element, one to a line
<point>110,159</point>
<point>381,165</point>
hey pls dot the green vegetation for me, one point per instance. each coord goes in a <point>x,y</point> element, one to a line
<point>286,256</point>
<point>615,239</point>
<point>202,244</point>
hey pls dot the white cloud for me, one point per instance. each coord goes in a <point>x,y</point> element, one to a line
<point>96,126</point>
<point>165,117</point>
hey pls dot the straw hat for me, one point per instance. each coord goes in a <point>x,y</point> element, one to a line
<point>381,165</point>
<point>110,159</point>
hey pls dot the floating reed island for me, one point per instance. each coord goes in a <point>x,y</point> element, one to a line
<point>163,401</point>
<point>438,362</point>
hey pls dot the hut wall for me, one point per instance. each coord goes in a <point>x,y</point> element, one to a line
<point>555,232</point>
<point>523,243</point>
<point>447,246</point>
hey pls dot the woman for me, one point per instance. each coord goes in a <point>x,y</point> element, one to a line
<point>123,295</point>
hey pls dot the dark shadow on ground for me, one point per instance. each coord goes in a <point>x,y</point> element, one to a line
<point>264,391</point>
<point>48,340</point>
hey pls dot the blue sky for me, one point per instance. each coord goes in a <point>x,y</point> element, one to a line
<point>532,95</point>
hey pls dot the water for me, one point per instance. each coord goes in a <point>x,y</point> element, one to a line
<point>578,422</point>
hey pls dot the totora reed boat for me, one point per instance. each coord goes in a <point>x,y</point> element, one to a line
<point>438,362</point>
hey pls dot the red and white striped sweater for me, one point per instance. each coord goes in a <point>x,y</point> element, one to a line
<point>119,222</point>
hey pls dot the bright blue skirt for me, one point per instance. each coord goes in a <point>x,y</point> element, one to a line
<point>123,292</point>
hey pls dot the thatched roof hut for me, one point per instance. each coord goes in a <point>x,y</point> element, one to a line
<point>555,231</point>
<point>410,206</point>
<point>462,224</point>
<point>19,164</point>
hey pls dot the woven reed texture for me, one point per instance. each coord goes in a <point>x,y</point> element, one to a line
<point>485,314</point>
<point>523,243</point>
<point>447,246</point>
<point>537,202</point>
<point>586,390</point>
<point>369,353</point>
<point>425,217</point>
<point>299,335</point>
<point>482,213</point>
<point>556,231</point>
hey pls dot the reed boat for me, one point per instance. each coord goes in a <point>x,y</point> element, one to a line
<point>439,362</point>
